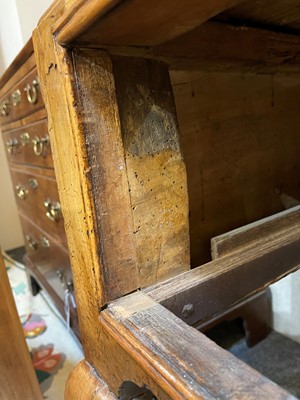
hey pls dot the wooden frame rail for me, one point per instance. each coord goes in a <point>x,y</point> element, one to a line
<point>265,252</point>
<point>182,361</point>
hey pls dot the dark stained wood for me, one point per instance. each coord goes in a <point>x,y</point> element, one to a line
<point>215,286</point>
<point>184,362</point>
<point>255,312</point>
<point>246,235</point>
<point>51,283</point>
<point>155,168</point>
<point>17,379</point>
<point>157,21</point>
<point>239,135</point>
<point>275,14</point>
<point>24,154</point>
<point>222,46</point>
<point>33,204</point>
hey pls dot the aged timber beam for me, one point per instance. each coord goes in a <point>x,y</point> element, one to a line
<point>237,239</point>
<point>224,46</point>
<point>133,22</point>
<point>184,362</point>
<point>267,255</point>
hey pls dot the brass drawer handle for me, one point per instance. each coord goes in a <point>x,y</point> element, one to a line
<point>24,138</point>
<point>44,241</point>
<point>5,108</point>
<point>53,210</point>
<point>12,145</point>
<point>21,192</point>
<point>39,145</point>
<point>32,91</point>
<point>16,97</point>
<point>32,244</point>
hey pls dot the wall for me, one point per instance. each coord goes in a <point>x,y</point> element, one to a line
<point>17,20</point>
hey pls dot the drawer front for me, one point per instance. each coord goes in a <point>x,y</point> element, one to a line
<point>23,99</point>
<point>49,258</point>
<point>29,145</point>
<point>37,199</point>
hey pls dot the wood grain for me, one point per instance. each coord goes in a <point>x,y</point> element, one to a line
<point>33,204</point>
<point>16,72</point>
<point>24,108</point>
<point>17,379</point>
<point>72,172</point>
<point>186,363</point>
<point>92,387</point>
<point>247,235</point>
<point>222,46</point>
<point>98,109</point>
<point>155,168</point>
<point>276,14</point>
<point>239,135</point>
<point>115,22</point>
<point>29,119</point>
<point>25,154</point>
<point>214,286</point>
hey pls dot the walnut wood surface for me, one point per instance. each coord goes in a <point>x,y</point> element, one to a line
<point>115,22</point>
<point>17,379</point>
<point>28,120</point>
<point>51,283</point>
<point>138,333</point>
<point>69,155</point>
<point>155,168</point>
<point>92,387</point>
<point>25,154</point>
<point>33,204</point>
<point>183,361</point>
<point>101,125</point>
<point>24,107</point>
<point>239,135</point>
<point>222,46</point>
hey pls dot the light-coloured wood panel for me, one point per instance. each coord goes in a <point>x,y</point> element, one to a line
<point>134,22</point>
<point>240,135</point>
<point>155,168</point>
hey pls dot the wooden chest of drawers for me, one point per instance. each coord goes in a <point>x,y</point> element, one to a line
<point>24,130</point>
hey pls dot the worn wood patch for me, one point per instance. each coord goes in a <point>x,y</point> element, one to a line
<point>97,106</point>
<point>155,168</point>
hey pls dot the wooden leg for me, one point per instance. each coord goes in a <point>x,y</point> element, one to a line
<point>84,384</point>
